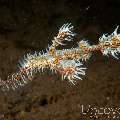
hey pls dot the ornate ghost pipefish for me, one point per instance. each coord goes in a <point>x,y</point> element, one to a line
<point>67,62</point>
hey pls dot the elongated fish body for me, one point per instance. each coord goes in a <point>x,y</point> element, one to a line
<point>67,62</point>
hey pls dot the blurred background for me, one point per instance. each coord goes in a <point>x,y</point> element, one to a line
<point>30,25</point>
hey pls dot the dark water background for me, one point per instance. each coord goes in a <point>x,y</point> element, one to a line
<point>29,25</point>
